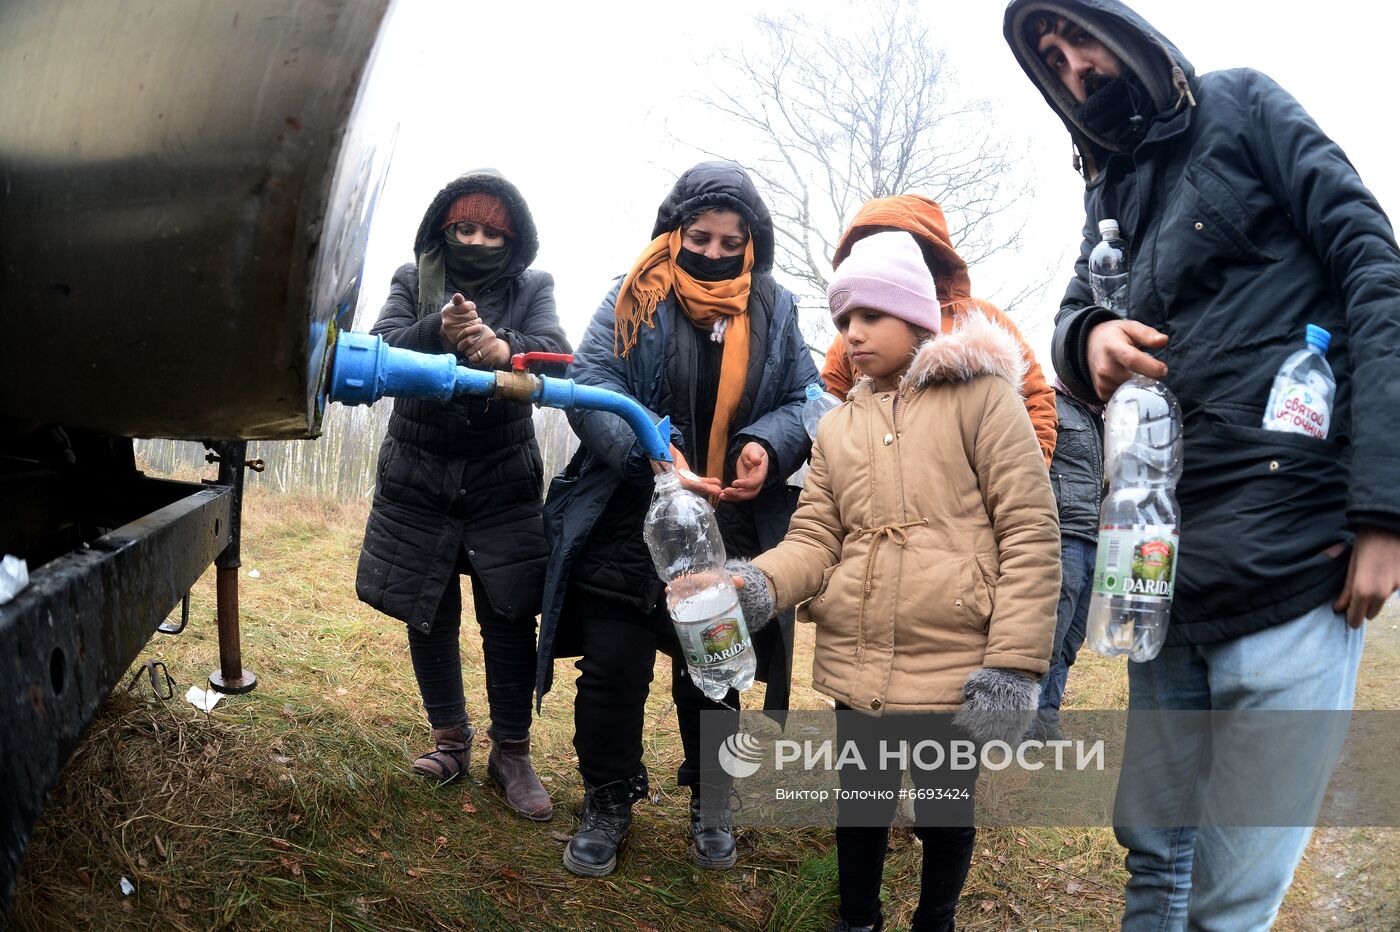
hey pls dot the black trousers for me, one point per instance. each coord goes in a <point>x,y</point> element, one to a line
<point>943,826</point>
<point>508,647</point>
<point>615,672</point>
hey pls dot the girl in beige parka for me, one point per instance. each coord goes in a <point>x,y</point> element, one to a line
<point>925,543</point>
<point>926,537</point>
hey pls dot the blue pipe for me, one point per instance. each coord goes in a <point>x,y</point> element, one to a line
<point>566,393</point>
<point>367,369</point>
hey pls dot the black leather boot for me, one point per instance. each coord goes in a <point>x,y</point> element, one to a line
<point>844,926</point>
<point>712,847</point>
<point>607,814</point>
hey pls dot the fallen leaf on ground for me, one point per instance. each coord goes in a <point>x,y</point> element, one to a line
<point>281,844</point>
<point>468,807</point>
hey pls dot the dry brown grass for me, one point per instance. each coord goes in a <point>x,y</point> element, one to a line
<point>293,807</point>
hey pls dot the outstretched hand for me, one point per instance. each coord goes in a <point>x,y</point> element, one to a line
<point>1115,352</point>
<point>751,471</point>
<point>1372,576</point>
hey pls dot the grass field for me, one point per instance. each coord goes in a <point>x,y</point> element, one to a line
<point>293,807</point>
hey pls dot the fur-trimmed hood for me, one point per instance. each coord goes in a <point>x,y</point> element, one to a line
<point>487,181</point>
<point>977,346</point>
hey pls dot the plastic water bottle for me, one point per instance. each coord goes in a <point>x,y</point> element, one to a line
<point>1108,268</point>
<point>688,552</point>
<point>1301,399</point>
<point>819,401</point>
<point>1135,573</point>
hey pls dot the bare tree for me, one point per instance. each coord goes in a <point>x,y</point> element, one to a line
<point>836,119</point>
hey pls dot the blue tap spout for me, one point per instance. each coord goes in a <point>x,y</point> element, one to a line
<point>566,393</point>
<point>367,369</point>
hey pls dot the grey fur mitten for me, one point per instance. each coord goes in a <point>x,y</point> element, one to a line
<point>998,705</point>
<point>756,598</point>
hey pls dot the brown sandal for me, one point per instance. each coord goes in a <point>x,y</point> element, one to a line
<point>452,756</point>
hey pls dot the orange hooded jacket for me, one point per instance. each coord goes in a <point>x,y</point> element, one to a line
<point>924,219</point>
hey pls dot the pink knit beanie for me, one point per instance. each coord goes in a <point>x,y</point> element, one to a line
<point>886,272</point>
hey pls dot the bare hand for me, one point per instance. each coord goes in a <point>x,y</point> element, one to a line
<point>456,315</point>
<point>1115,353</point>
<point>479,345</point>
<point>703,486</point>
<point>1372,576</point>
<point>750,473</point>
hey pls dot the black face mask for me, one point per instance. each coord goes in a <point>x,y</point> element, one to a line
<point>474,267</point>
<point>1117,109</point>
<point>704,269</point>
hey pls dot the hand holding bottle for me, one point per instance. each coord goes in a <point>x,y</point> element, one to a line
<point>1115,352</point>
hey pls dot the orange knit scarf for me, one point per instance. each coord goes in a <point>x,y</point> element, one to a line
<point>656,274</point>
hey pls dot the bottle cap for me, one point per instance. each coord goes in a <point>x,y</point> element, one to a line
<point>1319,338</point>
<point>814,390</point>
<point>1108,228</point>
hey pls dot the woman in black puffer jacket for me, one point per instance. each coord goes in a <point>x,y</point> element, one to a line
<point>459,483</point>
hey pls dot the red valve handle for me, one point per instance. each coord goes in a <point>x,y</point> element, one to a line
<point>521,361</point>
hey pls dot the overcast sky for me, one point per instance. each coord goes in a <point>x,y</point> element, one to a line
<point>580,104</point>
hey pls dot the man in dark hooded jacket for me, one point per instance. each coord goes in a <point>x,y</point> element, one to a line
<point>1244,223</point>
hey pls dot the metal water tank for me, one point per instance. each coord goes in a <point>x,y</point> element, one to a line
<point>184,199</point>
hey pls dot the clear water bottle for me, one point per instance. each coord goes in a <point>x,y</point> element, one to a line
<point>1135,573</point>
<point>688,552</point>
<point>1300,401</point>
<point>1108,268</point>
<point>819,401</point>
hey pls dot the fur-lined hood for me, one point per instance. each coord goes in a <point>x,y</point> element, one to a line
<point>977,346</point>
<point>488,181</point>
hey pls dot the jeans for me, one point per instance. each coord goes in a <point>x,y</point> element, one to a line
<point>1230,879</point>
<point>615,672</point>
<point>1077,557</point>
<point>508,650</point>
